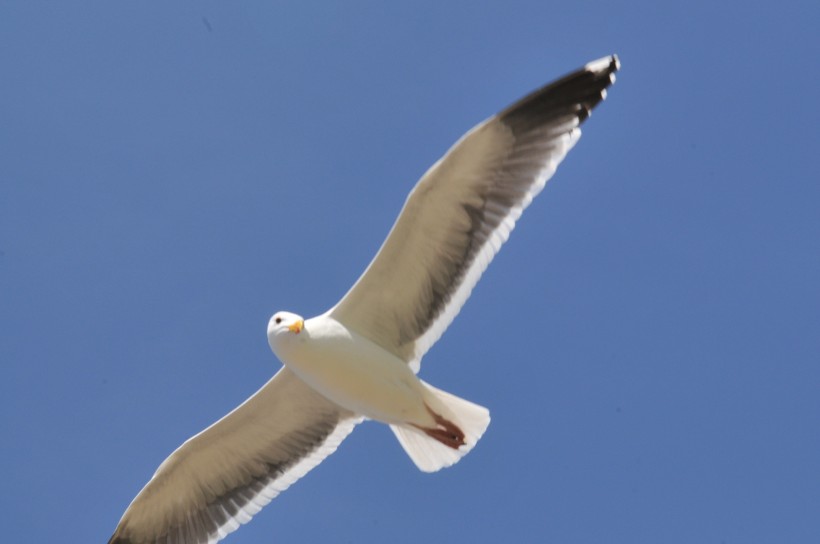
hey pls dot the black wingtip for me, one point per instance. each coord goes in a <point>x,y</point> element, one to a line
<point>576,93</point>
<point>610,64</point>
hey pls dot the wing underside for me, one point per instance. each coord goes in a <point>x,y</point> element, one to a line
<point>461,212</point>
<point>224,475</point>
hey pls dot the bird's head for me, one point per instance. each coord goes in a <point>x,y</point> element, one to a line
<point>283,327</point>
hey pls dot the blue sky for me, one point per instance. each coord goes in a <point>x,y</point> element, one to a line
<point>648,342</point>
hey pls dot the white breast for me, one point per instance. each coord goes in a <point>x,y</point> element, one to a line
<point>353,372</point>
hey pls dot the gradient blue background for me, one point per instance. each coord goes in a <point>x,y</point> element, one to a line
<point>172,173</point>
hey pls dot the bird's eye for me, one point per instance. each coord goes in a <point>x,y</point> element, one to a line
<point>278,320</point>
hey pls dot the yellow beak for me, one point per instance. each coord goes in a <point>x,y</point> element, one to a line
<point>297,327</point>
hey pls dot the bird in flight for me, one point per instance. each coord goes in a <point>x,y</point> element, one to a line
<point>359,360</point>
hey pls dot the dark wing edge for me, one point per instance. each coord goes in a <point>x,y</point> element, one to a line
<point>576,93</point>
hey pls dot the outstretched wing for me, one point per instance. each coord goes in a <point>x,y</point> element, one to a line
<point>224,475</point>
<point>461,212</point>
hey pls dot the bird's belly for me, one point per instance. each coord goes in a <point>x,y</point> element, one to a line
<point>362,377</point>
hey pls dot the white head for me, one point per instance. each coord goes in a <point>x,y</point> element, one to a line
<point>283,327</point>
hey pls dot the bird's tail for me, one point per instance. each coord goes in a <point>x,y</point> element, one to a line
<point>459,425</point>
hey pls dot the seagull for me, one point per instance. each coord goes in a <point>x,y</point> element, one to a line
<point>360,359</point>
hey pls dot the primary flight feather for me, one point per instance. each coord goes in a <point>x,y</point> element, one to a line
<point>359,360</point>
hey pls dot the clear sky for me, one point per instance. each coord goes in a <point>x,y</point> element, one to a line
<point>648,342</point>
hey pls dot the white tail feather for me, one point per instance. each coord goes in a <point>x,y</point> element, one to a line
<point>428,453</point>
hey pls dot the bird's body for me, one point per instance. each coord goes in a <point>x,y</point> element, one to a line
<point>359,360</point>
<point>350,370</point>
